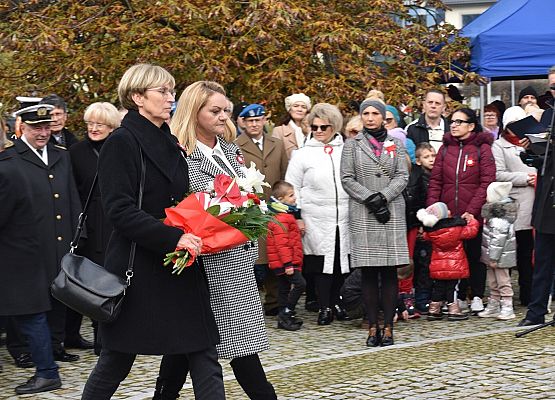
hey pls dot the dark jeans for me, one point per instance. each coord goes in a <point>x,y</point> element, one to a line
<point>543,277</point>
<point>247,370</point>
<point>524,251</point>
<point>113,367</point>
<point>380,282</point>
<point>444,290</point>
<point>477,280</point>
<point>35,329</point>
<point>290,289</point>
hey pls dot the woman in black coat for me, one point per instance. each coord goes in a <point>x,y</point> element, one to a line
<point>162,313</point>
<point>101,119</point>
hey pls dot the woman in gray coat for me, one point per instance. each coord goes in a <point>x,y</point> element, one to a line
<point>374,173</point>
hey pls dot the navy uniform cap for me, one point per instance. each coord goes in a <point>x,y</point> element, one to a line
<point>26,101</point>
<point>253,110</point>
<point>36,114</point>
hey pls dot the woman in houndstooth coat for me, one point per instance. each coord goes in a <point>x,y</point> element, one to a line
<point>374,172</point>
<point>204,129</point>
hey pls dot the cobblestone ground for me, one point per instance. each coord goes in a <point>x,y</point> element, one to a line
<point>474,359</point>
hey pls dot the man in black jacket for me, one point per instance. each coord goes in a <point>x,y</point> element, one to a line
<point>431,126</point>
<point>60,134</point>
<point>24,287</point>
<point>543,220</point>
<point>48,168</point>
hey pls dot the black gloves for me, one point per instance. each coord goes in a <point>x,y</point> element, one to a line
<point>377,204</point>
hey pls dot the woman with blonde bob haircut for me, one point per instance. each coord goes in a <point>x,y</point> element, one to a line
<point>200,123</point>
<point>162,313</point>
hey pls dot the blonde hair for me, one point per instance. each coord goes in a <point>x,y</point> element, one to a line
<point>140,77</point>
<point>354,123</point>
<point>376,95</point>
<point>103,112</point>
<point>185,120</point>
<point>329,113</point>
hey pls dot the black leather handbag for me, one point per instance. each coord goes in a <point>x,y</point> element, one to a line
<point>87,287</point>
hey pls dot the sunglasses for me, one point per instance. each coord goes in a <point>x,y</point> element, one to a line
<point>314,128</point>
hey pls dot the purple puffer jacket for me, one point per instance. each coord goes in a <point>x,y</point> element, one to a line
<point>459,178</point>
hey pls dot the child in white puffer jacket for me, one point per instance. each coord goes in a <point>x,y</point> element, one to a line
<point>499,249</point>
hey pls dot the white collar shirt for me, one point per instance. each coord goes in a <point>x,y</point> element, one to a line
<point>216,150</point>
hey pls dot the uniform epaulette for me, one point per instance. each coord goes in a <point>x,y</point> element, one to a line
<point>8,144</point>
<point>60,147</point>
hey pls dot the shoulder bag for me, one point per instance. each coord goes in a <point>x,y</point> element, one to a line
<point>87,287</point>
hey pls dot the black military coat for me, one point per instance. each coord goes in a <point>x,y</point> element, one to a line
<point>58,205</point>
<point>24,287</point>
<point>161,313</point>
<point>84,160</point>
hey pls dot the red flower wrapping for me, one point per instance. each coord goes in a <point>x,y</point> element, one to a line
<point>190,216</point>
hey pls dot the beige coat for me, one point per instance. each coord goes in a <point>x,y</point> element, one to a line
<point>510,168</point>
<point>272,162</point>
<point>287,135</point>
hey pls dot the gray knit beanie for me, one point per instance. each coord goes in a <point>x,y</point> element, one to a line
<point>378,105</point>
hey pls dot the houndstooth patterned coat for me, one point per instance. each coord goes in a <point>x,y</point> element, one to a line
<point>233,292</point>
<point>374,244</point>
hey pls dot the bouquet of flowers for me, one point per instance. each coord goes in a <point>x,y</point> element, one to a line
<point>229,213</point>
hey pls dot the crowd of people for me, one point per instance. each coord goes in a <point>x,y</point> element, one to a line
<point>375,219</point>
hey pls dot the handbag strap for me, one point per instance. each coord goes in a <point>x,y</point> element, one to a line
<point>82,217</point>
<point>129,272</point>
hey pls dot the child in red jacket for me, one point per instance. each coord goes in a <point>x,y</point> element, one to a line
<point>449,262</point>
<point>285,254</point>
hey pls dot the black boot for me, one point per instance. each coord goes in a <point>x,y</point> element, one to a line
<point>325,316</point>
<point>387,336</point>
<point>287,321</point>
<point>374,337</point>
<point>340,313</point>
<point>162,392</point>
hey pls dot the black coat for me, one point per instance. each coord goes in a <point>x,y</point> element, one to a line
<point>58,205</point>
<point>418,132</point>
<point>161,313</point>
<point>24,287</point>
<point>84,161</point>
<point>69,138</point>
<point>415,194</point>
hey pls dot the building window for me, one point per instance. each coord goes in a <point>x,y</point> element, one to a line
<point>468,18</point>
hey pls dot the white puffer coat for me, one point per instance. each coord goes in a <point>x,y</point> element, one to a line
<point>314,172</point>
<point>498,238</point>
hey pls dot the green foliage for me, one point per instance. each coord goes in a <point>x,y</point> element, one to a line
<point>260,50</point>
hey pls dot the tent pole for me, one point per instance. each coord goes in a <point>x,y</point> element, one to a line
<point>488,93</point>
<point>512,92</point>
<point>482,99</point>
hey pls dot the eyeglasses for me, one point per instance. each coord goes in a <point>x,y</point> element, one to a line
<point>163,91</point>
<point>389,120</point>
<point>314,128</point>
<point>458,122</point>
<point>95,124</point>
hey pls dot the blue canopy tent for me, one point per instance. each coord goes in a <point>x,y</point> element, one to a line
<point>513,39</point>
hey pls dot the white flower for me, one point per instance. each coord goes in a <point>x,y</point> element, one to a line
<point>263,206</point>
<point>253,180</point>
<point>388,143</point>
<point>210,186</point>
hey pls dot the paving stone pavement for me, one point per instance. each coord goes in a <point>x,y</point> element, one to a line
<point>474,359</point>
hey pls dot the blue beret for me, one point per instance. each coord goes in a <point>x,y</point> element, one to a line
<point>253,110</point>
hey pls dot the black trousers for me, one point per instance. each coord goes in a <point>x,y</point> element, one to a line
<point>57,324</point>
<point>380,283</point>
<point>113,367</point>
<point>247,370</point>
<point>73,325</point>
<point>543,277</point>
<point>478,270</point>
<point>290,289</point>
<point>444,290</point>
<point>524,251</point>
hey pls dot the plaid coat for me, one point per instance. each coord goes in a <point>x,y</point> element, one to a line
<point>363,174</point>
<point>233,292</point>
